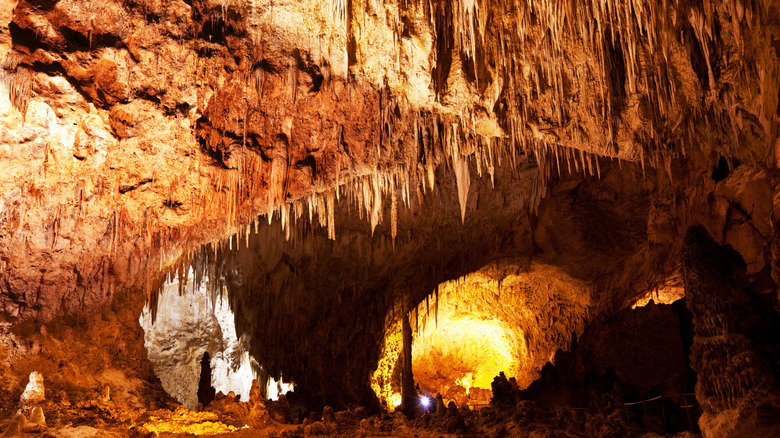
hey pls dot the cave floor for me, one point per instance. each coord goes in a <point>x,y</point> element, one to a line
<point>96,385</point>
<point>103,417</point>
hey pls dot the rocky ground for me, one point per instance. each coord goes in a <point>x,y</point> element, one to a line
<point>108,416</point>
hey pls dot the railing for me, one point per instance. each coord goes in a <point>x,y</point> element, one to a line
<point>688,403</point>
<point>643,405</point>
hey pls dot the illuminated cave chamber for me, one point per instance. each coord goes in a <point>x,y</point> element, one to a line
<point>506,317</point>
<point>188,320</point>
<point>668,292</point>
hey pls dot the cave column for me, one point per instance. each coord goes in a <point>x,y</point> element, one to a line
<point>735,350</point>
<point>408,393</point>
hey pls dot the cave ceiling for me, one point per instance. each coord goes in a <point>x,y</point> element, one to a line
<point>137,131</point>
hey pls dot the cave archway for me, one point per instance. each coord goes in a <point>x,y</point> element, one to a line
<point>510,316</point>
<point>279,282</point>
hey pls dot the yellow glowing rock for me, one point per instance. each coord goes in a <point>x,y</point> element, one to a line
<point>185,421</point>
<point>504,317</point>
<point>385,386</point>
<point>465,350</point>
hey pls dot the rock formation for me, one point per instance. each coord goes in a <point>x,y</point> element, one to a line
<point>736,347</point>
<point>34,392</point>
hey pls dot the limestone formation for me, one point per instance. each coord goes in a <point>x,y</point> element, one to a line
<point>735,351</point>
<point>34,392</point>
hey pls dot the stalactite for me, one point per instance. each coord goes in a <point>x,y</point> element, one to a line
<point>436,311</point>
<point>598,168</point>
<point>590,23</point>
<point>331,215</point>
<point>394,217</point>
<point>463,182</point>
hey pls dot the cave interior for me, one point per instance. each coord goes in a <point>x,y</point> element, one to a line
<point>407,218</point>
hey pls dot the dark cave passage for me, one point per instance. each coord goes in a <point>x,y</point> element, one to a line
<point>206,392</point>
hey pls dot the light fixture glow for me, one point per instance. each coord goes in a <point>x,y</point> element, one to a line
<point>425,401</point>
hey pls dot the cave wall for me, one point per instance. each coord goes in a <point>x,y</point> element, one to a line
<point>95,369</point>
<point>641,351</point>
<point>643,348</point>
